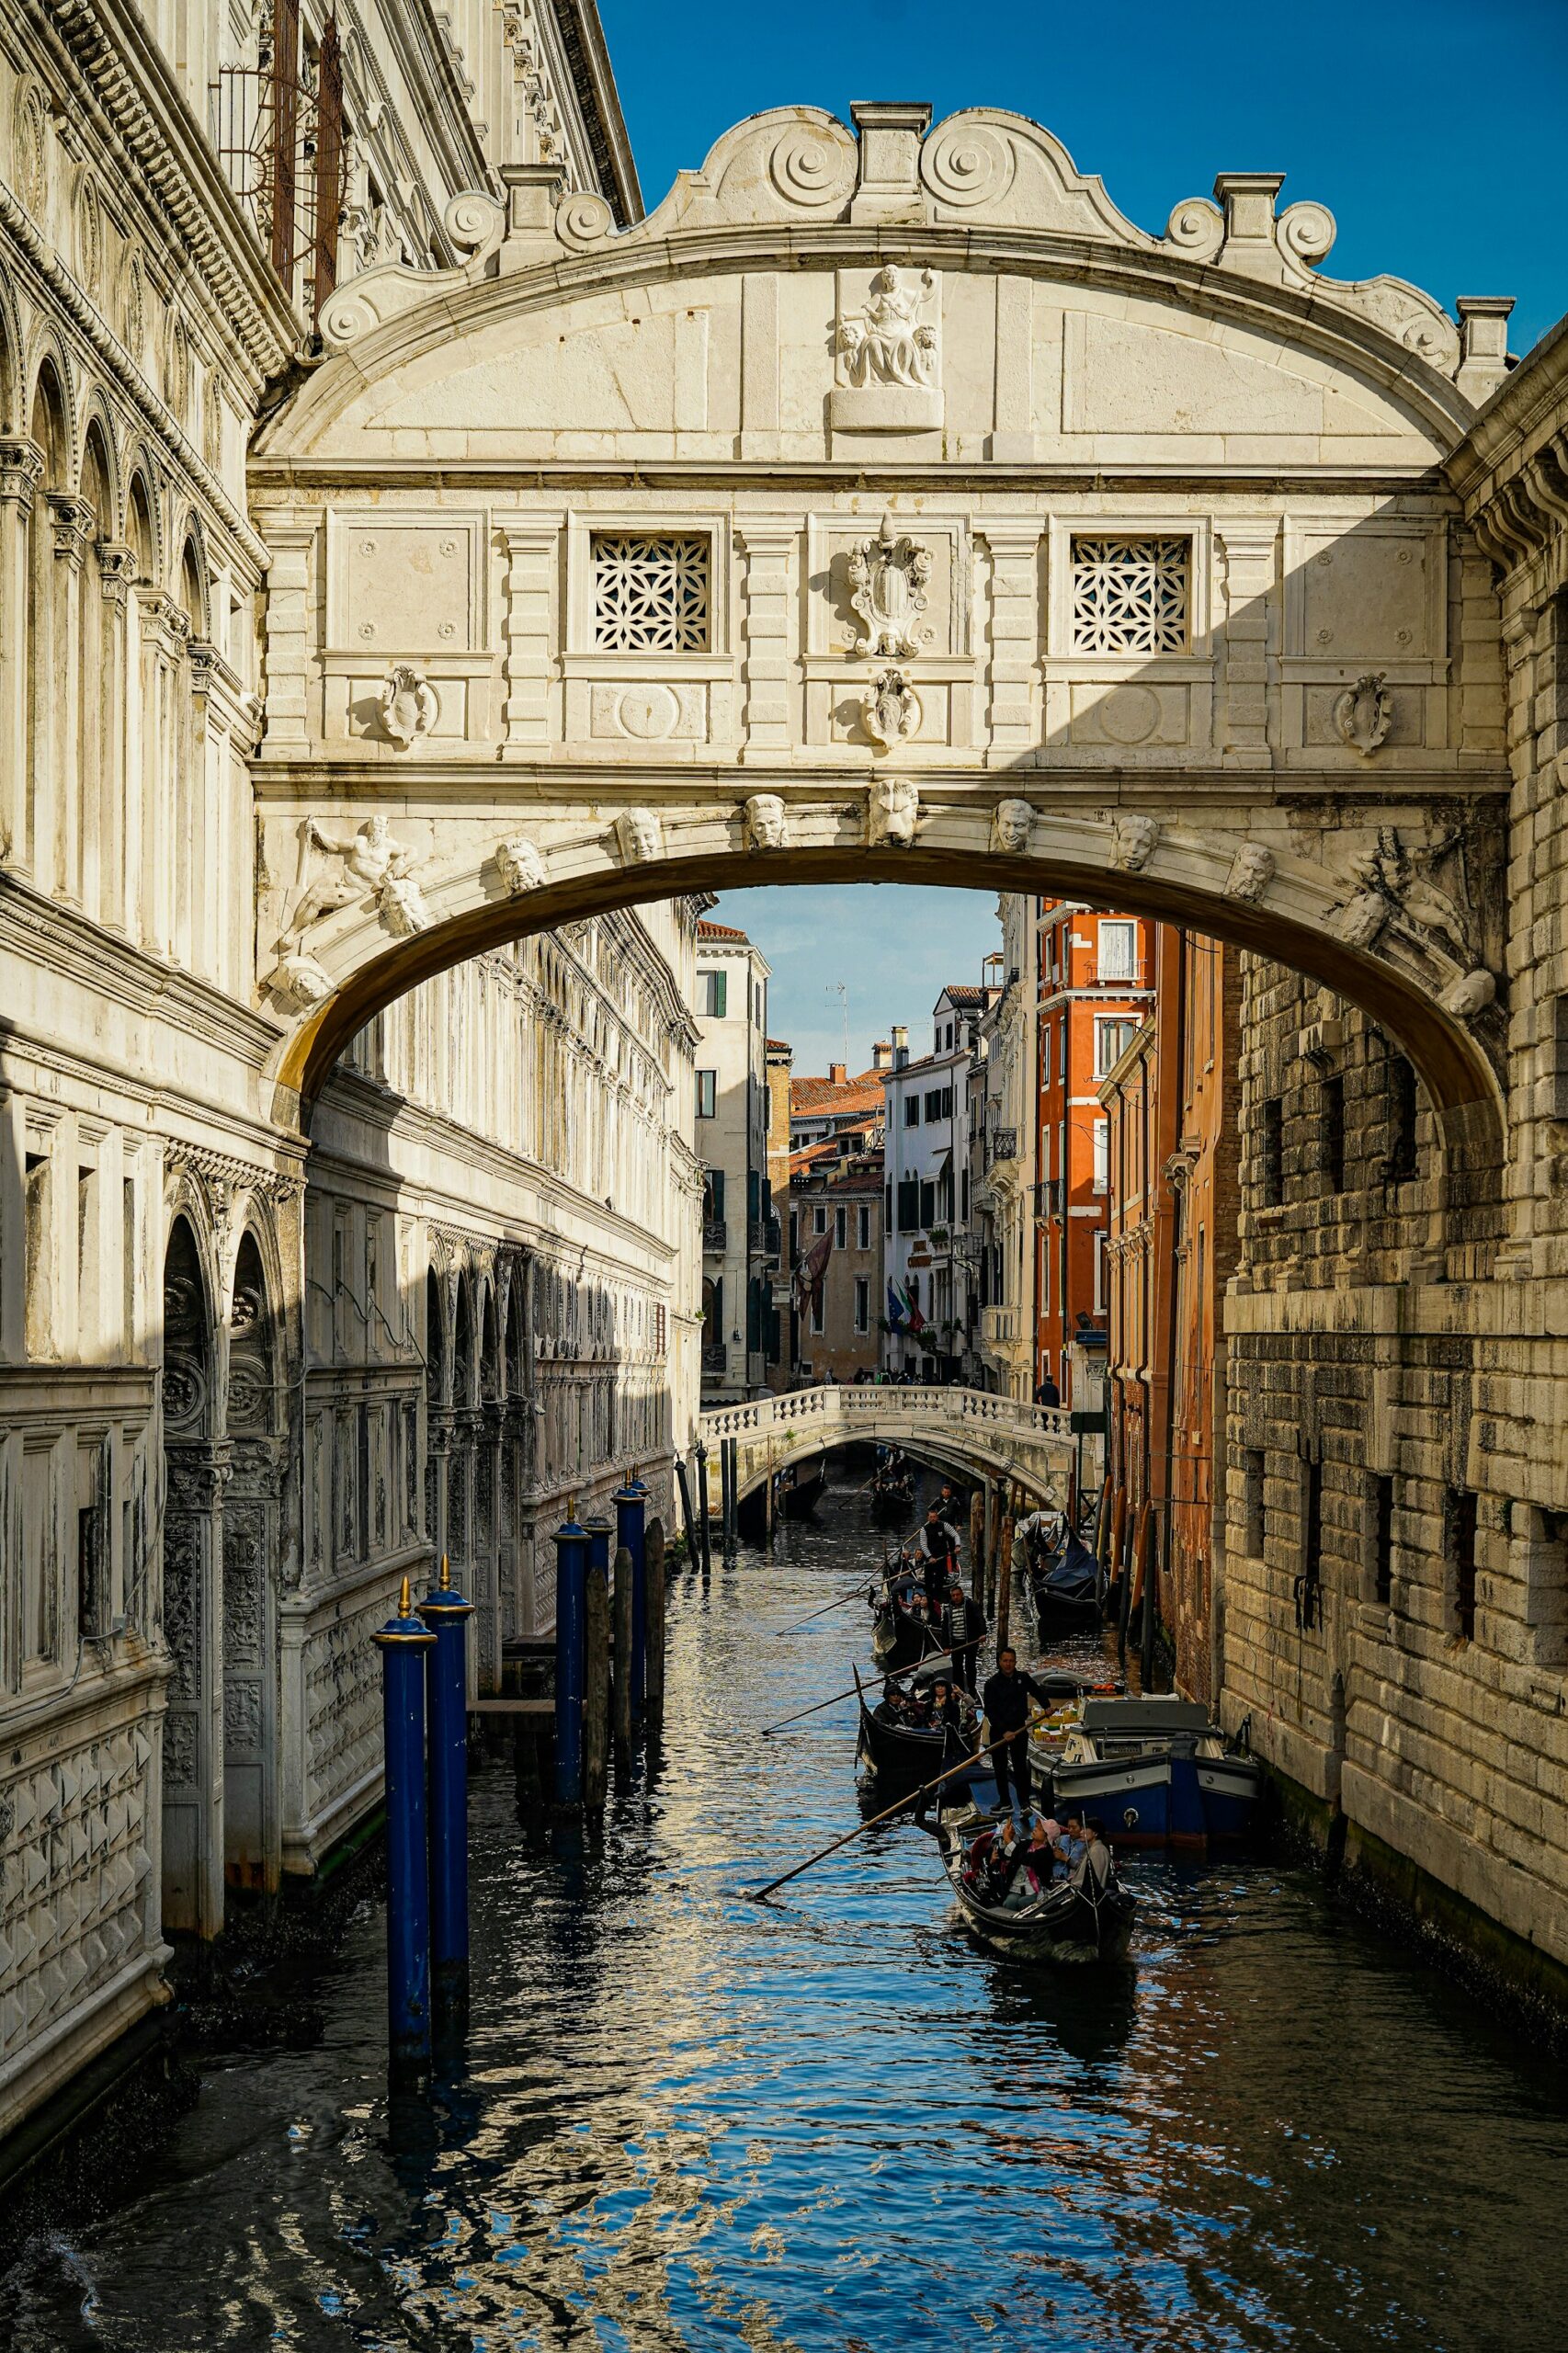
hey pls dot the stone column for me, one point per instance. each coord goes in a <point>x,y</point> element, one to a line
<point>193,1722</point>
<point>116,570</point>
<point>768,541</point>
<point>1245,551</point>
<point>203,818</point>
<point>1014,624</point>
<point>71,521</point>
<point>21,466</point>
<point>531,550</point>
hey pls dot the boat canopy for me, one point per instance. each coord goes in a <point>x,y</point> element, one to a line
<point>1145,1717</point>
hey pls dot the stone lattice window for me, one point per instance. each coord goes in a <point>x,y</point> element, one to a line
<point>1130,596</point>
<point>651,594</point>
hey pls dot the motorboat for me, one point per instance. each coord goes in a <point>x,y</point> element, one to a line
<point>1158,1772</point>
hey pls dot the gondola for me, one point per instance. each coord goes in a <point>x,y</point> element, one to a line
<point>899,1637</point>
<point>1065,1596</point>
<point>800,1496</point>
<point>1059,1923</point>
<point>892,1498</point>
<point>901,1755</point>
<point>1159,1773</point>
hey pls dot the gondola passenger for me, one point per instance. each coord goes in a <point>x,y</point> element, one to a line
<point>1095,1869</point>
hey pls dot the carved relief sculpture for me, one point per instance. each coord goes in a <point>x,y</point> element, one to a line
<point>1252,871</point>
<point>410,706</point>
<point>1364,713</point>
<point>893,812</point>
<point>767,823</point>
<point>374,867</point>
<point>1134,841</point>
<point>1396,891</point>
<point>888,576</point>
<point>1011,824</point>
<point>639,836</point>
<point>889,342</point>
<point>1470,994</point>
<point>890,710</point>
<point>521,865</point>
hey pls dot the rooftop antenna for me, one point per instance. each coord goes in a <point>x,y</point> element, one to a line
<point>840,989</point>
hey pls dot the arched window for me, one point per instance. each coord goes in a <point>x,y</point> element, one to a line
<point>96,817</point>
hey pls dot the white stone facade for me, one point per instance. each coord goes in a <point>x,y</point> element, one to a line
<point>884,506</point>
<point>732,1144</point>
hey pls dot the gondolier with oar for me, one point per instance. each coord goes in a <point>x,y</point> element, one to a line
<point>937,1548</point>
<point>963,1630</point>
<point>1006,1705</point>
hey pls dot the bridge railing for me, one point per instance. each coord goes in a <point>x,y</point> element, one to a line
<point>835,1408</point>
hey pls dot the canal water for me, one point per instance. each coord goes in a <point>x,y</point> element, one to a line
<point>829,2123</point>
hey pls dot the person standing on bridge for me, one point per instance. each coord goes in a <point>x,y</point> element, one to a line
<point>1006,1704</point>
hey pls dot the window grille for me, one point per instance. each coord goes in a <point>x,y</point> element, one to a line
<point>651,595</point>
<point>1130,596</point>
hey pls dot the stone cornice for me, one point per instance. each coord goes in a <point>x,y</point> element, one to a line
<point>46,932</point>
<point>598,101</point>
<point>130,85</point>
<point>1512,472</point>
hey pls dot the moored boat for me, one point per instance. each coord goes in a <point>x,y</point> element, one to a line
<point>901,1635</point>
<point>892,1498</point>
<point>1055,1922</point>
<point>799,1492</point>
<point>1065,1594</point>
<point>1158,1773</point>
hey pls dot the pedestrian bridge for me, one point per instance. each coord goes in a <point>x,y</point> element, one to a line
<point>970,1430</point>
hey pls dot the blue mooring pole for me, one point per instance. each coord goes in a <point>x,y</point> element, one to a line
<point>402,1642</point>
<point>571,1541</point>
<point>445,1612</point>
<point>631,1509</point>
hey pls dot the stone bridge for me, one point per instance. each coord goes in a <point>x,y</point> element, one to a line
<point>967,1430</point>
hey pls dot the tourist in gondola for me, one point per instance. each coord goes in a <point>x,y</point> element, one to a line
<point>1006,1706</point>
<point>963,1630</point>
<point>1093,1870</point>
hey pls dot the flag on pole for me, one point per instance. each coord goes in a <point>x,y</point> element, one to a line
<point>810,1273</point>
<point>916,1321</point>
<point>895,1306</point>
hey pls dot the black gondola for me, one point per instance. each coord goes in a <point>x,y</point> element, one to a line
<point>900,1755</point>
<point>892,1498</point>
<point>900,1637</point>
<point>799,1496</point>
<point>1065,1594</point>
<point>1059,1923</point>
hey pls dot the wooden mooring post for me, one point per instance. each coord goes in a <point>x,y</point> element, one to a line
<point>655,1572</point>
<point>596,1690</point>
<point>621,1622</point>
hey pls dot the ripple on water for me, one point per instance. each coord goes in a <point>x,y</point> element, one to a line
<point>829,2124</point>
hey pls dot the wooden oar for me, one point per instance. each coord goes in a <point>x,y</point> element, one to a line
<point>926,1664</point>
<point>754,1896</point>
<point>769,1730</point>
<point>857,1594</point>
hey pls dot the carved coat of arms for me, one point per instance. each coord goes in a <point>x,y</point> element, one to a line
<point>887,578</point>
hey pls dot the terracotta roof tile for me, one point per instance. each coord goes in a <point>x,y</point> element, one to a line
<point>706,930</point>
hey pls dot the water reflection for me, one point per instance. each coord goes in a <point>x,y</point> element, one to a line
<point>688,2121</point>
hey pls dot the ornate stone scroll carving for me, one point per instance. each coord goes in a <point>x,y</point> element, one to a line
<point>1012,822</point>
<point>1133,843</point>
<point>410,706</point>
<point>767,823</point>
<point>1252,871</point>
<point>890,710</point>
<point>887,575</point>
<point>893,812</point>
<point>1363,715</point>
<point>521,865</point>
<point>639,836</point>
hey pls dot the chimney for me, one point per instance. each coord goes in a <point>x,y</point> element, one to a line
<point>882,1055</point>
<point>900,1045</point>
<point>838,1073</point>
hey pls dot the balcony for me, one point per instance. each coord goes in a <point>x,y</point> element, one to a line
<point>1003,1146</point>
<point>715,1234</point>
<point>715,1357</point>
<point>999,1326</point>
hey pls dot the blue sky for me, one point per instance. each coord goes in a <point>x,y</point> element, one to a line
<point>1433,130</point>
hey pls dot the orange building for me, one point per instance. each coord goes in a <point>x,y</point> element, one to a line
<point>1096,987</point>
<point>1172,1106</point>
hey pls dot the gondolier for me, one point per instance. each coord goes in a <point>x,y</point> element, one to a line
<point>964,1626</point>
<point>1005,1702</point>
<point>937,1548</point>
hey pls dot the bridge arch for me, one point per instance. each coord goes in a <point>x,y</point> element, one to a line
<point>978,1433</point>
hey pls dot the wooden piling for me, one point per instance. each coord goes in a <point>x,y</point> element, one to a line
<point>977,1546</point>
<point>595,1692</point>
<point>621,1619</point>
<point>654,1555</point>
<point>1005,1588</point>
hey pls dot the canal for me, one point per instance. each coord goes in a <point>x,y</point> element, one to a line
<point>828,2123</point>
